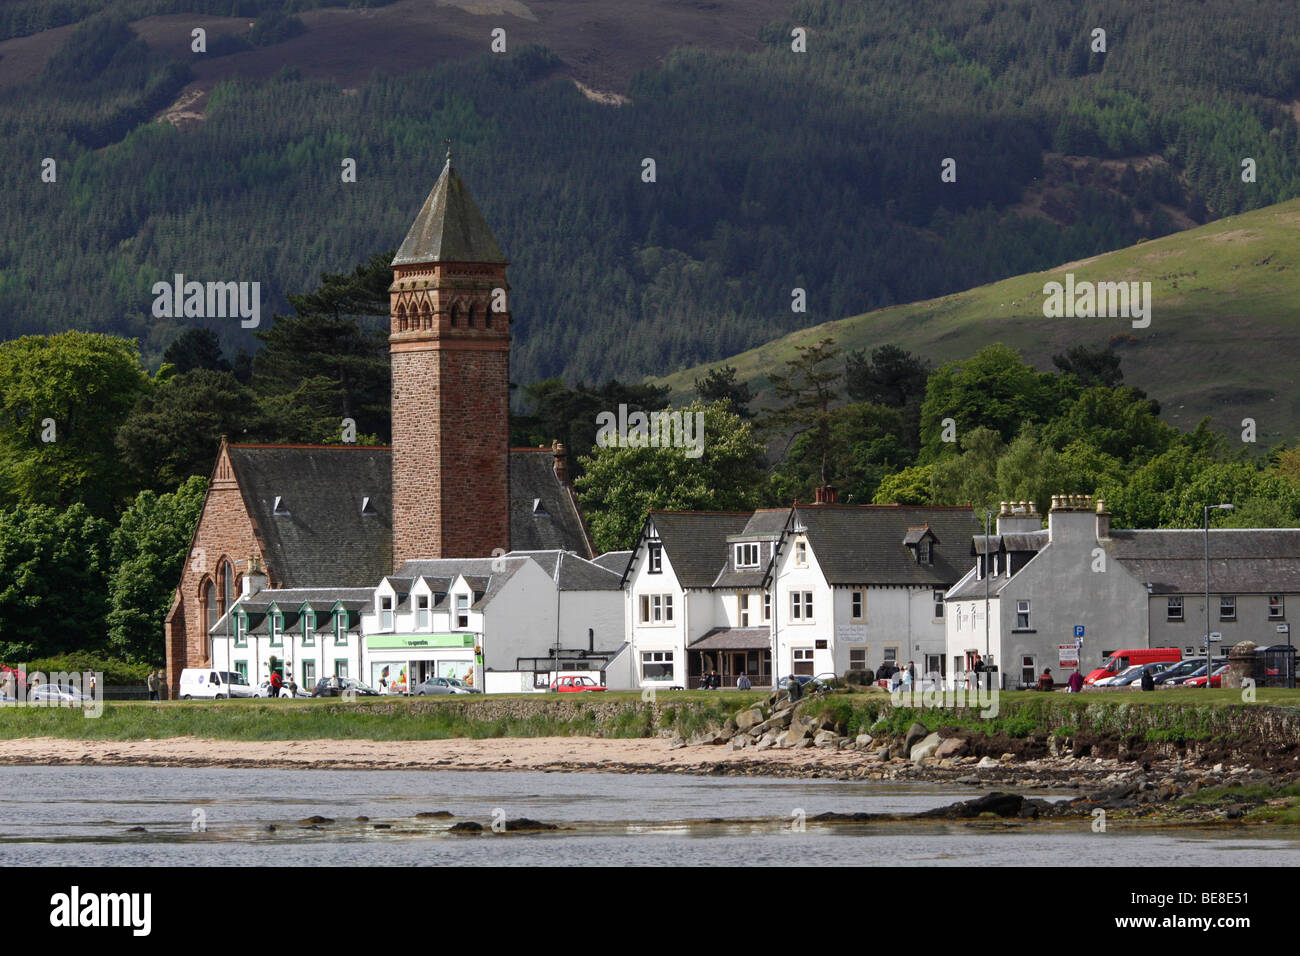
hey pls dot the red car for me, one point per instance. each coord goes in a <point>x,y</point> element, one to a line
<point>574,685</point>
<point>1216,679</point>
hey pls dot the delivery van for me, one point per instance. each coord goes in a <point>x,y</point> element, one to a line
<point>203,682</point>
<point>1122,660</point>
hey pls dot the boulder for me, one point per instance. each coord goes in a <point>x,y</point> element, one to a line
<point>863,740</point>
<point>987,762</point>
<point>748,718</point>
<point>883,753</point>
<point>953,747</point>
<point>766,742</point>
<point>925,748</point>
<point>739,742</point>
<point>788,738</point>
<point>914,733</point>
<point>825,738</point>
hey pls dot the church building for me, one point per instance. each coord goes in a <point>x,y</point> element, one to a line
<point>449,486</point>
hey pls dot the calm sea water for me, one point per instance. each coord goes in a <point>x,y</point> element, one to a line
<point>81,816</point>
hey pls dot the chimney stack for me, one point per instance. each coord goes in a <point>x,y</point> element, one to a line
<point>1103,519</point>
<point>824,495</point>
<point>561,462</point>
<point>254,579</point>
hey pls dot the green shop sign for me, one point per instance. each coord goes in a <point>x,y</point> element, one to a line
<point>381,642</point>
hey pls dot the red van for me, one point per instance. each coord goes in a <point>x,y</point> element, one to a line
<point>1121,660</point>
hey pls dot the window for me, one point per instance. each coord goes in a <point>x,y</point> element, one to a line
<point>656,608</point>
<point>341,623</point>
<point>934,664</point>
<point>938,604</point>
<point>462,611</point>
<point>656,665</point>
<point>801,554</point>
<point>1227,608</point>
<point>655,559</point>
<point>385,613</point>
<point>923,552</point>
<point>1028,673</point>
<point>891,655</point>
<point>241,629</point>
<point>341,668</point>
<point>855,605</point>
<point>747,555</point>
<point>1276,607</point>
<point>803,661</point>
<point>308,674</point>
<point>1174,609</point>
<point>742,609</point>
<point>277,628</point>
<point>801,606</point>
<point>1022,615</point>
<point>422,612</point>
<point>210,604</point>
<point>857,658</point>
<point>241,668</point>
<point>767,605</point>
<point>309,628</point>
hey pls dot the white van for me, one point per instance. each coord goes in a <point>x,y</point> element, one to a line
<point>203,683</point>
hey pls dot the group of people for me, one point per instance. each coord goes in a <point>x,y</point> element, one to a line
<point>897,677</point>
<point>1073,684</point>
<point>711,680</point>
<point>157,683</point>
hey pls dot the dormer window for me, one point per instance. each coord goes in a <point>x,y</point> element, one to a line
<point>539,509</point>
<point>308,627</point>
<point>386,613</point>
<point>279,506</point>
<point>277,628</point>
<point>801,554</point>
<point>747,555</point>
<point>368,506</point>
<point>655,558</point>
<point>422,611</point>
<point>923,553</point>
<point>462,611</point>
<point>341,626</point>
<point>241,629</point>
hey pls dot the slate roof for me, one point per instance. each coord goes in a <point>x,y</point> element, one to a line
<point>1020,541</point>
<point>696,542</point>
<point>291,600</point>
<point>576,573</point>
<point>733,639</point>
<point>1242,561</point>
<point>864,544</point>
<point>532,477</point>
<point>449,227</point>
<point>971,587</point>
<point>616,561</point>
<point>479,573</point>
<point>320,536</point>
<point>764,527</point>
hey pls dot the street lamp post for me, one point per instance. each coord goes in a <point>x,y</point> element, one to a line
<point>1208,509</point>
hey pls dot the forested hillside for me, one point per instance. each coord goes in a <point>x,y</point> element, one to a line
<point>775,170</point>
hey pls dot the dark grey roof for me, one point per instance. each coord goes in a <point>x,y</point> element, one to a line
<point>532,477</point>
<point>615,561</point>
<point>971,587</point>
<point>576,572</point>
<point>1020,541</point>
<point>733,639</point>
<point>449,227</point>
<point>320,535</point>
<point>322,601</point>
<point>863,544</point>
<point>914,535</point>
<point>1242,561</point>
<point>486,576</point>
<point>696,542</point>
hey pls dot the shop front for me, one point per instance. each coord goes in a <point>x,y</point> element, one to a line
<point>395,663</point>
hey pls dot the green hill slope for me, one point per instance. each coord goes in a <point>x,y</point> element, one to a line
<point>1224,337</point>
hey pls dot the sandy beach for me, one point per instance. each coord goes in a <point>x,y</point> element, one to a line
<point>514,753</point>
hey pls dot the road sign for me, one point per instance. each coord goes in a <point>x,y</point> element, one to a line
<point>1078,630</point>
<point>1068,655</point>
<point>1284,628</point>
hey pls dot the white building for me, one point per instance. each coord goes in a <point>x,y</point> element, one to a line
<point>505,624</point>
<point>829,588</point>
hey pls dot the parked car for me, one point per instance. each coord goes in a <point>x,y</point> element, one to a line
<point>1119,661</point>
<point>1198,672</point>
<point>54,694</point>
<point>1121,677</point>
<point>805,681</point>
<point>434,685</point>
<point>336,686</point>
<point>1181,669</point>
<point>264,690</point>
<point>1133,676</point>
<point>575,685</point>
<point>1215,679</point>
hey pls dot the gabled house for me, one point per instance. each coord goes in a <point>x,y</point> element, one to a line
<point>817,589</point>
<point>1079,580</point>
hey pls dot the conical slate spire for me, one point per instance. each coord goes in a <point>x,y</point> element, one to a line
<point>449,227</point>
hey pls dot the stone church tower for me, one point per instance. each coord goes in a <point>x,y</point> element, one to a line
<point>451,368</point>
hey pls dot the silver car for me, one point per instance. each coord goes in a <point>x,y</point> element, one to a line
<point>54,694</point>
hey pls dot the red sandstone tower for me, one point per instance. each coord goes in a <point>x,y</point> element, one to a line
<point>451,367</point>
